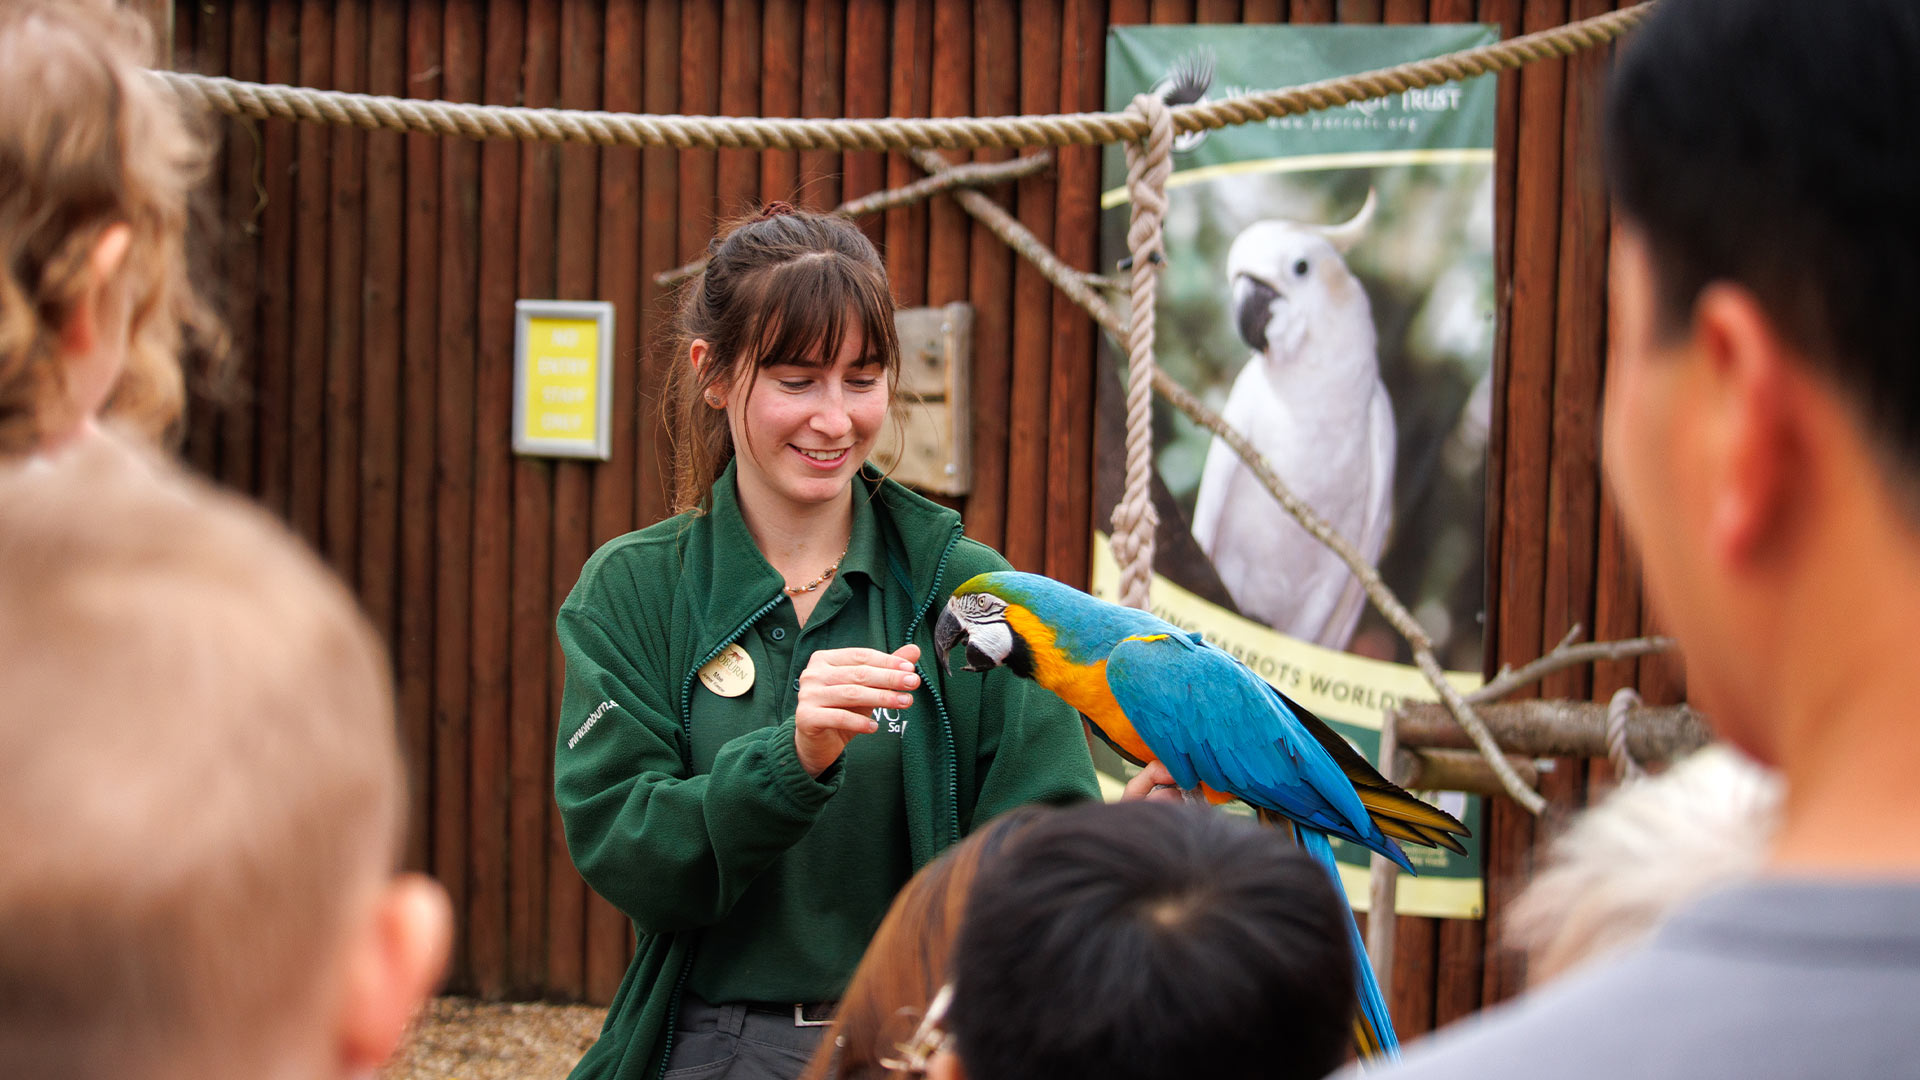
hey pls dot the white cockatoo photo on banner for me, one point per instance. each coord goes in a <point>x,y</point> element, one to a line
<point>1311,401</point>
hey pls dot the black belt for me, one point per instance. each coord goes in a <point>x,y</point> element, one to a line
<point>803,1014</point>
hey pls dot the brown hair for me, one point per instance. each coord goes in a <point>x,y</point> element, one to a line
<point>782,285</point>
<point>87,141</point>
<point>200,781</point>
<point>907,961</point>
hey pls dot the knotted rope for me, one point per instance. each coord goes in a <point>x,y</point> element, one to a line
<point>1149,164</point>
<point>383,113</point>
<point>1623,764</point>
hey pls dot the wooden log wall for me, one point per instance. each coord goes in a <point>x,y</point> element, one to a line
<point>371,278</point>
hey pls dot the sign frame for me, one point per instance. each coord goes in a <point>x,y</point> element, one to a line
<point>599,312</point>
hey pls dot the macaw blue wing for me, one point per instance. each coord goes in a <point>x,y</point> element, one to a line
<point>1210,719</point>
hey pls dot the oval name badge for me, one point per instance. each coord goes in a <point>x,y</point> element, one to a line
<point>730,674</point>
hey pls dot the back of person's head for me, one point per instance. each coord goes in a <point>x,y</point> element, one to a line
<point>1770,144</point>
<point>1147,940</point>
<point>907,961</point>
<point>782,286</point>
<point>200,790</point>
<point>96,163</point>
<point>1649,848</point>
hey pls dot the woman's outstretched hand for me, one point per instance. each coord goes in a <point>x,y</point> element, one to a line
<point>839,690</point>
<point>1152,784</point>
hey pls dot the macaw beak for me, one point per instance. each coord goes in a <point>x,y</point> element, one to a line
<point>947,633</point>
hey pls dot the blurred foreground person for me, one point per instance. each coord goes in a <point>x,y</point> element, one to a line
<point>200,792</point>
<point>1651,846</point>
<point>1144,941</point>
<point>910,955</point>
<point>1762,437</point>
<point>96,163</point>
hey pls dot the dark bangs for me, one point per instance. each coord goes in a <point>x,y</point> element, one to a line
<point>811,303</point>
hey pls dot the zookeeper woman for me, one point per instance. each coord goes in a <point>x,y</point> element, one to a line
<point>752,755</point>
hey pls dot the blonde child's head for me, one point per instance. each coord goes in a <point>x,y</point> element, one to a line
<point>200,790</point>
<point>96,164</point>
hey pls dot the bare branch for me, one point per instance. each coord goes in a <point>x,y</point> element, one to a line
<point>1567,655</point>
<point>970,175</point>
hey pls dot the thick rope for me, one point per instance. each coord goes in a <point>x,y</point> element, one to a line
<point>381,113</point>
<point>1149,165</point>
<point>1624,766</point>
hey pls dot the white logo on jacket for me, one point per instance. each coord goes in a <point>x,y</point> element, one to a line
<point>592,719</point>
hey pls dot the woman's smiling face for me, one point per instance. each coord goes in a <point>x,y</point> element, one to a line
<point>803,427</point>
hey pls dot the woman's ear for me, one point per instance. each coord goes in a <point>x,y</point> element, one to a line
<point>697,353</point>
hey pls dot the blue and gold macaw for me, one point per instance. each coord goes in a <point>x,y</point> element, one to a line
<point>1154,692</point>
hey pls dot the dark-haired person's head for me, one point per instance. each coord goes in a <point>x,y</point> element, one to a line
<point>1146,940</point>
<point>1763,403</point>
<point>1770,143</point>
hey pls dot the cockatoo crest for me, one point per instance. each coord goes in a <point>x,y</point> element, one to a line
<point>1293,296</point>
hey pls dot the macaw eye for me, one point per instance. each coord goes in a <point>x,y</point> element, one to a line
<point>976,604</point>
<point>1300,268</point>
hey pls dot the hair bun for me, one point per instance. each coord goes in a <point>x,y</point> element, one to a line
<point>774,209</point>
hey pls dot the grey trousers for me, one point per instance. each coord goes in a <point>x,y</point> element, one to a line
<point>711,1042</point>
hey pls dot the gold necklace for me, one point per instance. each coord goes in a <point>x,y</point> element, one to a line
<point>796,590</point>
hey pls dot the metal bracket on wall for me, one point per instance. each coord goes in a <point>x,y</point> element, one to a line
<point>932,450</point>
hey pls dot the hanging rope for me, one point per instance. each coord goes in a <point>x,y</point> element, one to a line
<point>1624,766</point>
<point>382,113</point>
<point>1149,165</point>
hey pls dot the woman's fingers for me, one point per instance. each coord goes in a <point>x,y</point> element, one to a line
<point>839,690</point>
<point>853,697</point>
<point>1152,784</point>
<point>861,675</point>
<point>841,720</point>
<point>856,657</point>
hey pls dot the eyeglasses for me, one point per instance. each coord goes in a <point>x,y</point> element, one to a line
<point>927,1040</point>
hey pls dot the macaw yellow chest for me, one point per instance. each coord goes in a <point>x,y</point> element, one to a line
<point>1083,686</point>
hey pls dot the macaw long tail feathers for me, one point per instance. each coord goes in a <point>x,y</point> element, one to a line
<point>1409,832</point>
<point>1372,1025</point>
<point>1397,813</point>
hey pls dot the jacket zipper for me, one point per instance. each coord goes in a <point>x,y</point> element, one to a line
<point>686,726</point>
<point>939,703</point>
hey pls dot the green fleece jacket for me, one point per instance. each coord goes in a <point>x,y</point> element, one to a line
<point>674,848</point>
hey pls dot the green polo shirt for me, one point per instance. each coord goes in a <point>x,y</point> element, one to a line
<point>795,933</point>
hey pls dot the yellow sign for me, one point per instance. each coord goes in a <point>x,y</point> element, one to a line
<point>561,379</point>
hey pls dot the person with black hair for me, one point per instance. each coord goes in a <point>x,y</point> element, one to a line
<point>1144,941</point>
<point>1762,439</point>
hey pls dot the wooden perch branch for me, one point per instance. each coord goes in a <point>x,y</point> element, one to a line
<point>1559,729</point>
<point>1456,770</point>
<point>954,177</point>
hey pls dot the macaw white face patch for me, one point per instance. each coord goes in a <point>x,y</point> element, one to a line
<point>994,639</point>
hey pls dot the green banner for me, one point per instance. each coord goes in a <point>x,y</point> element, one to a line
<point>1329,290</point>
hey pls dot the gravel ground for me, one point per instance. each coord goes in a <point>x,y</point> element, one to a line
<point>463,1039</point>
